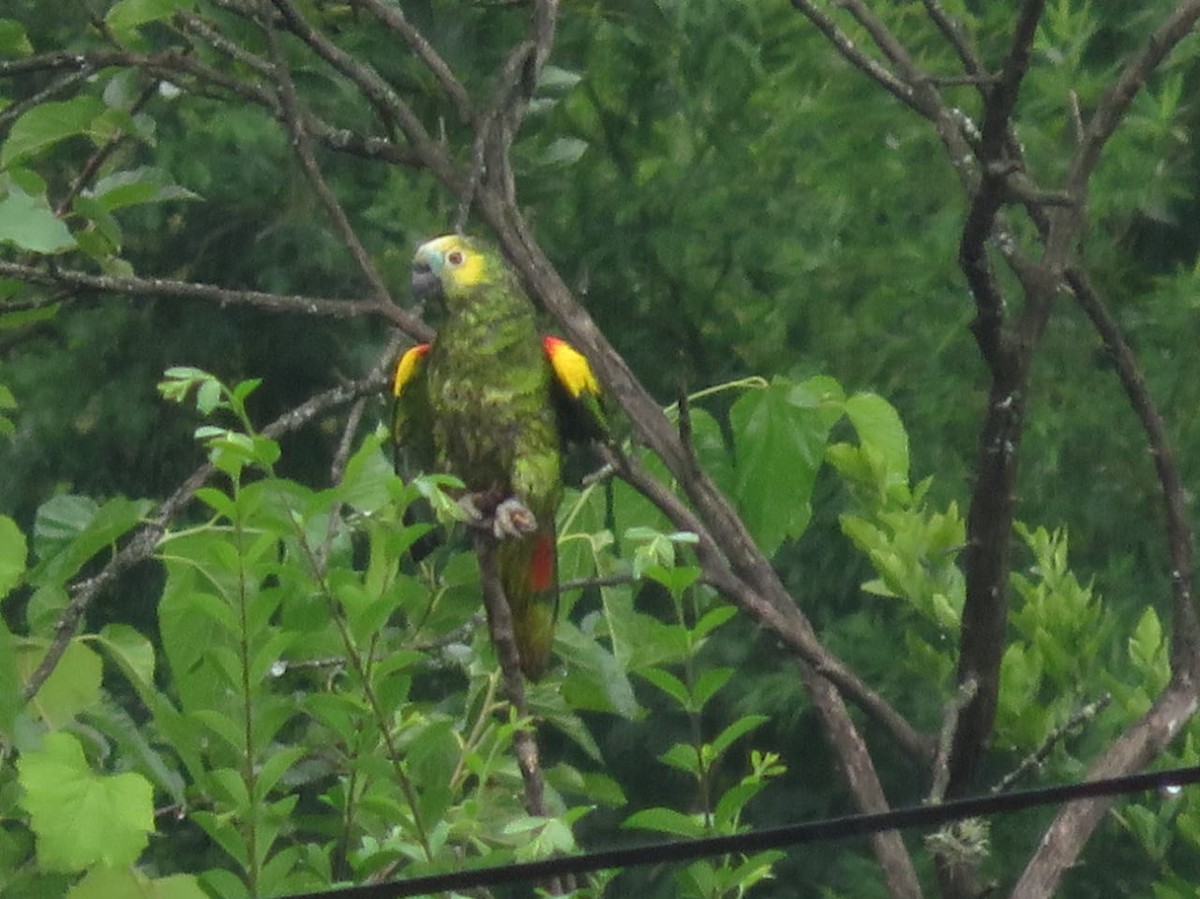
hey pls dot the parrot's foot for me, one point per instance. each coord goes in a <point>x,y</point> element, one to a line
<point>512,518</point>
<point>509,519</point>
<point>471,512</point>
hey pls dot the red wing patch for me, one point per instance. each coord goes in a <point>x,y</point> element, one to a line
<point>541,563</point>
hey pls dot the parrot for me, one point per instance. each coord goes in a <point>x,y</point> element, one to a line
<point>494,403</point>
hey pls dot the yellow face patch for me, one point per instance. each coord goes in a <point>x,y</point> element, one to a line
<point>463,265</point>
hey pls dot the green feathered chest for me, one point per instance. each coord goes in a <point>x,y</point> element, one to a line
<point>493,422</point>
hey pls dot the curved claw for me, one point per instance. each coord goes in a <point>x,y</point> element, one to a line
<point>513,519</point>
<point>470,509</point>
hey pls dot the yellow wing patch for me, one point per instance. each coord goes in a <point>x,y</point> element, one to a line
<point>570,367</point>
<point>407,367</point>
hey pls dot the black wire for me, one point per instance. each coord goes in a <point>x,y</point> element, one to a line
<point>928,816</point>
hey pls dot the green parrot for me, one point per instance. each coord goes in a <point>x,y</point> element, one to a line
<point>493,402</point>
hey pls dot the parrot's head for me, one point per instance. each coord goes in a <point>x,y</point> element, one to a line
<point>449,268</point>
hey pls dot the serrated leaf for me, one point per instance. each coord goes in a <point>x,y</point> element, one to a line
<point>683,757</point>
<point>70,530</point>
<point>713,619</point>
<point>110,816</point>
<point>11,699</point>
<point>108,883</point>
<point>707,684</point>
<point>669,684</point>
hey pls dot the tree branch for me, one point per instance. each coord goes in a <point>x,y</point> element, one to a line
<point>302,145</point>
<point>188,290</point>
<point>375,89</point>
<point>393,17</point>
<point>504,639</point>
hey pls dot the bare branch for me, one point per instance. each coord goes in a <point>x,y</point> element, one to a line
<point>235,52</point>
<point>303,147</point>
<point>171,289</point>
<point>375,89</point>
<point>1116,100</point>
<point>859,772</point>
<point>1060,846</point>
<point>393,17</point>
<point>731,561</point>
<point>57,86</point>
<point>954,33</point>
<point>878,73</point>
<point>1185,654</point>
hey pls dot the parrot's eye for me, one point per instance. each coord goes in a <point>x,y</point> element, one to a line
<point>455,257</point>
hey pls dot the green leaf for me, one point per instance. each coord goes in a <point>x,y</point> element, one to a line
<point>779,440</point>
<point>683,757</point>
<point>48,123</point>
<point>28,223</point>
<point>72,687</point>
<point>12,555</point>
<point>707,684</point>
<point>669,684</point>
<point>131,650</point>
<point>738,728</point>
<point>879,427</point>
<point>70,530</point>
<point>13,40</point>
<point>82,818</point>
<point>135,187</point>
<point>11,699</point>
<point>117,883</point>
<point>666,820</point>
<point>126,15</point>
<point>564,151</point>
<point>1146,648</point>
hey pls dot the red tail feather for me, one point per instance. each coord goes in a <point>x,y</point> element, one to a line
<point>542,563</point>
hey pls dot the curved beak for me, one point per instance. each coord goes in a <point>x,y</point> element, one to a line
<point>425,284</point>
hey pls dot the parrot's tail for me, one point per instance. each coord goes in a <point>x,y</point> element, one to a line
<point>529,574</point>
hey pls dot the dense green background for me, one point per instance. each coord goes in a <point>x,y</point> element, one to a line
<point>728,198</point>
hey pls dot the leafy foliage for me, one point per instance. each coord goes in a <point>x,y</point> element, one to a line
<point>295,692</point>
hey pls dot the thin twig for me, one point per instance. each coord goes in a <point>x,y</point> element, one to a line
<point>302,146</point>
<point>1037,758</point>
<point>393,17</point>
